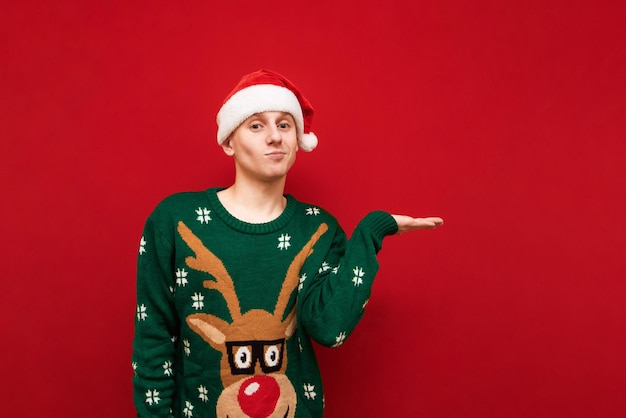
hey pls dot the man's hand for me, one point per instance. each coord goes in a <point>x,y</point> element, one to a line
<point>407,223</point>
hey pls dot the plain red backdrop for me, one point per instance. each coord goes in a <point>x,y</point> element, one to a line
<point>505,118</point>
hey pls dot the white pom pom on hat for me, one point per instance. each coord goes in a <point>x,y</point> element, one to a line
<point>266,91</point>
<point>308,142</point>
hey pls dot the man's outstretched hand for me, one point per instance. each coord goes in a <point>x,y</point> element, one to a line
<point>407,223</point>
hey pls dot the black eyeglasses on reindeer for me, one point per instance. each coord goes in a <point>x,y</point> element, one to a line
<point>243,355</point>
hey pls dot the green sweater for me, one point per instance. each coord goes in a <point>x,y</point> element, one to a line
<point>226,310</point>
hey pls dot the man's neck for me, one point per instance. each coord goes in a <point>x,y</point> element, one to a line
<point>254,203</point>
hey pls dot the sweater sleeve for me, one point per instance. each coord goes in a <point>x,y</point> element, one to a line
<point>333,302</point>
<point>156,327</point>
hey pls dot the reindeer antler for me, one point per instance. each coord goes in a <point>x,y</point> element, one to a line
<point>294,268</point>
<point>208,262</point>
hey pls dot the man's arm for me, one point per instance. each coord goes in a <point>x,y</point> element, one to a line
<point>156,328</point>
<point>334,300</point>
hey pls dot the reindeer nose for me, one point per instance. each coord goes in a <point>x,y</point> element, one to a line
<point>258,396</point>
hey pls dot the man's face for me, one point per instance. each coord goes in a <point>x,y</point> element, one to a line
<point>264,146</point>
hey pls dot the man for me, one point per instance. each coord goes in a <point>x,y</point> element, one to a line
<point>234,283</point>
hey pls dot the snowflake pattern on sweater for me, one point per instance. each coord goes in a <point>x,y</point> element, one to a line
<point>216,327</point>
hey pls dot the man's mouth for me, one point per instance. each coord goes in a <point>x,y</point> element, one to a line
<point>276,154</point>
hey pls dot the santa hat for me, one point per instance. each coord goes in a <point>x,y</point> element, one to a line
<point>266,91</point>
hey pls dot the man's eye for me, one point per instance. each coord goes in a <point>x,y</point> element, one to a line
<point>255,126</point>
<point>283,125</point>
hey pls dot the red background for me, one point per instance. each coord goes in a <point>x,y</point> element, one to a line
<point>505,118</point>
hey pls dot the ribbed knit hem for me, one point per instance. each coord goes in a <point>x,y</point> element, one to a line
<point>380,223</point>
<point>250,228</point>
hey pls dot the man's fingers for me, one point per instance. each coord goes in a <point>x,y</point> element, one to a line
<point>425,223</point>
<point>431,222</point>
<point>435,220</point>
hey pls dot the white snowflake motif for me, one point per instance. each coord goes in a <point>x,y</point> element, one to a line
<point>181,277</point>
<point>173,338</point>
<point>335,270</point>
<point>325,266</point>
<point>134,363</point>
<point>203,393</point>
<point>300,345</point>
<point>283,241</point>
<point>152,397</point>
<point>339,339</point>
<point>188,409</point>
<point>167,368</point>
<point>365,304</point>
<point>171,289</point>
<point>309,391</point>
<point>186,347</point>
<point>312,211</point>
<point>203,215</point>
<point>198,299</point>
<point>142,246</point>
<point>358,276</point>
<point>141,312</point>
<point>302,279</point>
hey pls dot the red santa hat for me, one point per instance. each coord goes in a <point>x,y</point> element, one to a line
<point>266,91</point>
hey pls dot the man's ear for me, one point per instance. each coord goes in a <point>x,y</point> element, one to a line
<point>228,149</point>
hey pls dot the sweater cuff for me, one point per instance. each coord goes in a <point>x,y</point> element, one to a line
<point>380,223</point>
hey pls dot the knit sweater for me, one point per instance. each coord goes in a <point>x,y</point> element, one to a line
<point>226,310</point>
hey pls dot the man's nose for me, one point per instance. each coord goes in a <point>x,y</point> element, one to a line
<point>274,134</point>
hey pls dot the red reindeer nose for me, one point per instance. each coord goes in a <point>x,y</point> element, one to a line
<point>258,396</point>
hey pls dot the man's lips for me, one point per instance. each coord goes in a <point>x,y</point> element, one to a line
<point>275,154</point>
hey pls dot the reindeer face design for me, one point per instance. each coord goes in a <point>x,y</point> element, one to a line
<point>253,345</point>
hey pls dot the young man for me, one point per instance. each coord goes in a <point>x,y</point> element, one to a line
<point>234,283</point>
